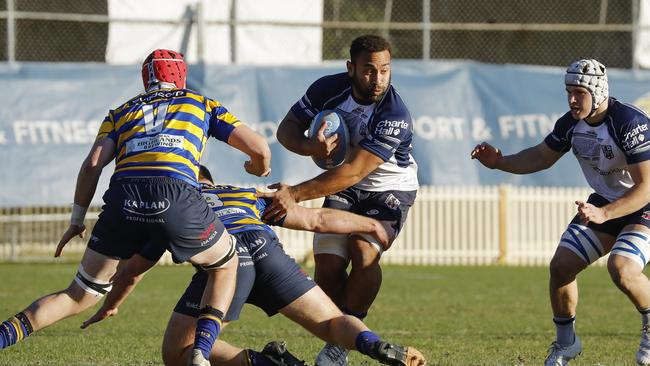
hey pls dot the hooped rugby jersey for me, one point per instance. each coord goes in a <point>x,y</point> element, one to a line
<point>385,129</point>
<point>163,133</point>
<point>605,151</point>
<point>239,209</point>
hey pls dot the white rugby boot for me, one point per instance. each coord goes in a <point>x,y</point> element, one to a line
<point>643,354</point>
<point>198,359</point>
<point>559,355</point>
<point>332,355</point>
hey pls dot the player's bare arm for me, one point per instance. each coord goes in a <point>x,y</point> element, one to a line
<point>101,153</point>
<point>255,146</point>
<point>530,160</point>
<point>360,164</point>
<point>327,220</point>
<point>635,198</point>
<point>126,279</point>
<point>291,134</point>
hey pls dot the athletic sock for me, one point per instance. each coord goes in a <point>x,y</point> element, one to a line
<point>365,341</point>
<point>254,358</point>
<point>565,330</point>
<point>208,327</point>
<point>645,316</point>
<point>14,329</point>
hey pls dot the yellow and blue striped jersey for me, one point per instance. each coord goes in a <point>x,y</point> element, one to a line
<point>238,208</point>
<point>163,133</point>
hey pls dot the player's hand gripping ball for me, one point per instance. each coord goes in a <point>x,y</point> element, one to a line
<point>335,125</point>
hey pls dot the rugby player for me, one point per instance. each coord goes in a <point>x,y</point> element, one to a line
<point>156,139</point>
<point>378,180</point>
<point>269,279</point>
<point>611,141</point>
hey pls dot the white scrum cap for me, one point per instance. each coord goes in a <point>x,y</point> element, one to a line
<point>589,74</point>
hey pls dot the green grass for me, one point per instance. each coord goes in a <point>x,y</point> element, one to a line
<point>455,315</point>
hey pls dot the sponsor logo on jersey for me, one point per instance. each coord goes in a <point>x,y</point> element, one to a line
<point>337,198</point>
<point>372,212</point>
<point>230,211</point>
<point>192,305</point>
<point>387,127</point>
<point>635,136</point>
<point>606,172</point>
<point>258,242</point>
<point>208,234</point>
<point>212,200</point>
<point>152,142</point>
<point>163,94</point>
<point>146,208</point>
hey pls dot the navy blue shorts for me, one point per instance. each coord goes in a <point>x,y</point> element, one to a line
<point>163,213</point>
<point>389,207</point>
<point>267,278</point>
<point>614,227</point>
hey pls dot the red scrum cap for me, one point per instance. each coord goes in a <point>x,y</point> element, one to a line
<point>164,66</point>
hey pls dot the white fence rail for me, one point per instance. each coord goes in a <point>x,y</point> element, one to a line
<point>446,226</point>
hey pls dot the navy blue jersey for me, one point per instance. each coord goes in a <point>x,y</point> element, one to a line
<point>384,128</point>
<point>605,151</point>
<point>238,208</point>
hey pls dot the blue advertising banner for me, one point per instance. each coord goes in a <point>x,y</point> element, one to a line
<point>50,114</point>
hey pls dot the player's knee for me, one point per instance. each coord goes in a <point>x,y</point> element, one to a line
<point>175,356</point>
<point>86,290</point>
<point>363,254</point>
<point>623,271</point>
<point>561,270</point>
<point>225,259</point>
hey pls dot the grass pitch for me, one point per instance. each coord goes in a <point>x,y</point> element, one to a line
<point>454,315</point>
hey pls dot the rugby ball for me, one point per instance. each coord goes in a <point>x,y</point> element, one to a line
<point>335,125</point>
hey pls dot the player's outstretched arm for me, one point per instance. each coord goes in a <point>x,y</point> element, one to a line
<point>126,279</point>
<point>530,160</point>
<point>328,220</point>
<point>358,166</point>
<point>255,146</point>
<point>291,134</point>
<point>102,153</point>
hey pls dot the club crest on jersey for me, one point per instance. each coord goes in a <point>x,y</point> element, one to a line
<point>607,151</point>
<point>146,208</point>
<point>646,215</point>
<point>392,202</point>
<point>363,129</point>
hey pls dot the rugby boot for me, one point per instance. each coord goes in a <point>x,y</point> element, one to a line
<point>332,355</point>
<point>198,359</point>
<point>277,353</point>
<point>394,355</point>
<point>643,354</point>
<point>559,355</point>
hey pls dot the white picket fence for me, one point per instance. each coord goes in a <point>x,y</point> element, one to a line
<point>446,226</point>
